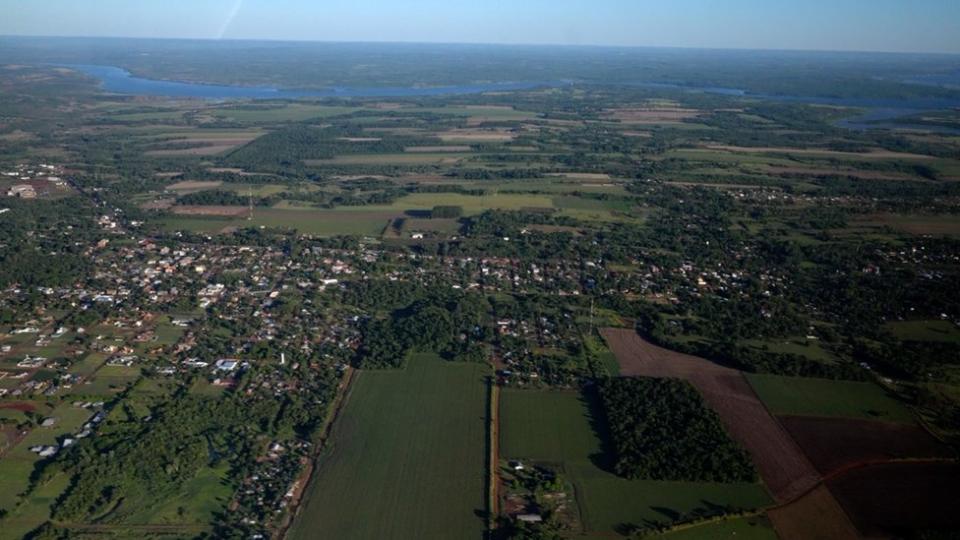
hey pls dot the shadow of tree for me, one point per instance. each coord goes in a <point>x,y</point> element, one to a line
<point>605,459</point>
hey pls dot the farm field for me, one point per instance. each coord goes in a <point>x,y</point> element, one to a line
<point>894,499</point>
<point>558,428</point>
<point>835,444</point>
<point>407,457</point>
<point>821,397</point>
<point>814,515</point>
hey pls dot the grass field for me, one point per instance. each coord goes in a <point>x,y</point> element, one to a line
<point>741,528</point>
<point>555,428</point>
<point>35,509</point>
<point>821,397</point>
<point>308,221</point>
<point>933,225</point>
<point>407,457</point>
<point>410,158</point>
<point>282,113</point>
<point>357,220</point>
<point>471,204</point>
<point>107,381</point>
<point>944,331</point>
<point>17,465</point>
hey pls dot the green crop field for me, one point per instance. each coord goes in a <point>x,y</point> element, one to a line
<point>406,458</point>
<point>555,428</point>
<point>821,397</point>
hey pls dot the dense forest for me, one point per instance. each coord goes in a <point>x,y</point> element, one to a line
<point>662,430</point>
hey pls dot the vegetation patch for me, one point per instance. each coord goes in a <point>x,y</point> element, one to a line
<point>662,430</point>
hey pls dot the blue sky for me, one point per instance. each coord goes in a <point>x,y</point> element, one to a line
<point>872,25</point>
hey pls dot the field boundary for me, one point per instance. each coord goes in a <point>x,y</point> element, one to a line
<point>493,456</point>
<point>343,394</point>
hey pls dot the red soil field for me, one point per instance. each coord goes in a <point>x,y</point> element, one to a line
<point>19,406</point>
<point>836,444</point>
<point>899,498</point>
<point>815,515</point>
<point>780,461</point>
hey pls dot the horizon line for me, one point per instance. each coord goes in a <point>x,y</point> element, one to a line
<point>488,44</point>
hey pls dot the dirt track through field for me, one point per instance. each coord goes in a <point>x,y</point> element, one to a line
<point>781,463</point>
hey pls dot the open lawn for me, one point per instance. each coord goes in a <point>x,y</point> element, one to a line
<point>554,427</point>
<point>822,397</point>
<point>406,458</point>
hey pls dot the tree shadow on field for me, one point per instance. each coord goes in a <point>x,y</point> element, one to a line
<point>606,457</point>
<point>418,214</point>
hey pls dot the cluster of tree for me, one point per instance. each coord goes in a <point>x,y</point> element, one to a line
<point>660,429</point>
<point>454,324</point>
<point>222,197</point>
<point>446,212</point>
<point>43,241</point>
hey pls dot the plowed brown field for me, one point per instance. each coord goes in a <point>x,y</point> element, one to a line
<point>836,444</point>
<point>900,498</point>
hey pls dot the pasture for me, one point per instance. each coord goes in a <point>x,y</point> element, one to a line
<point>822,397</point>
<point>560,428</point>
<point>407,457</point>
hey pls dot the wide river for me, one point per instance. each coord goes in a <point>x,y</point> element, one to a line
<point>121,81</point>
